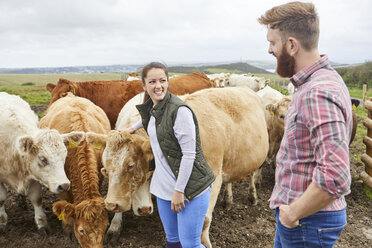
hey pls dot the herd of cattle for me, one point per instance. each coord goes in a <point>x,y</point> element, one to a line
<point>78,141</point>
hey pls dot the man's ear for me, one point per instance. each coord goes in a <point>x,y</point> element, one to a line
<point>64,210</point>
<point>293,45</point>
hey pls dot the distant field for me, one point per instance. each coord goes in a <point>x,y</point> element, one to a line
<point>42,79</point>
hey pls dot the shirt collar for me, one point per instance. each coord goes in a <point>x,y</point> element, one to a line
<point>301,77</point>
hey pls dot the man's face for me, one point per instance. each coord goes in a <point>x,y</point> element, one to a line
<point>285,62</point>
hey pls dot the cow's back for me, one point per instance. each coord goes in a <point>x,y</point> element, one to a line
<point>75,114</point>
<point>189,83</point>
<point>232,123</point>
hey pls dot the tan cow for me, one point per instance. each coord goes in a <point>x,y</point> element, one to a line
<point>234,139</point>
<point>83,208</point>
<point>30,156</point>
<point>111,95</point>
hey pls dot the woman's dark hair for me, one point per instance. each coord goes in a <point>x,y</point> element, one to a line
<point>146,69</point>
<point>153,65</point>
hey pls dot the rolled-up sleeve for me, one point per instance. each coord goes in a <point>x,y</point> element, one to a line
<point>330,139</point>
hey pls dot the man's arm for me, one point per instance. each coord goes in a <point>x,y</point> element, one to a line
<point>312,200</point>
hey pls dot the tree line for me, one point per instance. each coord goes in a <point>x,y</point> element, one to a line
<point>356,76</point>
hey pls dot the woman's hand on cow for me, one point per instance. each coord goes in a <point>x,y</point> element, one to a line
<point>178,201</point>
<point>129,130</point>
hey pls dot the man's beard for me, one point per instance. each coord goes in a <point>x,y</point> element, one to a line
<point>285,64</point>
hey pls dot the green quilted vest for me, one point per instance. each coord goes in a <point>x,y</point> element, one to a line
<point>165,113</point>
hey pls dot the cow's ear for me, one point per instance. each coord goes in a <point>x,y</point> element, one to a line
<point>26,145</point>
<point>104,172</point>
<point>271,108</point>
<point>64,210</point>
<point>95,139</point>
<point>73,139</point>
<point>50,87</point>
<point>145,147</point>
<point>355,102</point>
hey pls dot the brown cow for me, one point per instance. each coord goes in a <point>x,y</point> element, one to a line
<point>112,95</point>
<point>82,208</point>
<point>234,139</point>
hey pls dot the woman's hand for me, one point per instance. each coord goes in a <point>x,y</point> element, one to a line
<point>178,201</point>
<point>129,130</point>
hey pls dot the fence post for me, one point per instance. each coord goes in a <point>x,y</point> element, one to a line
<point>283,83</point>
<point>364,95</point>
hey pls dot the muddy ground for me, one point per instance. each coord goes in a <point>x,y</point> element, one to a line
<point>243,225</point>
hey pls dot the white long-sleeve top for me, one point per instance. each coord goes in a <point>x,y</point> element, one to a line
<point>163,182</point>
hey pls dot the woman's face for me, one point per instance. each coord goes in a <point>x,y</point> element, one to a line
<point>156,84</point>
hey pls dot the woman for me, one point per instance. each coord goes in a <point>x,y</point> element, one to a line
<point>182,177</point>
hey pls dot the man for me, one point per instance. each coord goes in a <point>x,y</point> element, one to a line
<point>313,172</point>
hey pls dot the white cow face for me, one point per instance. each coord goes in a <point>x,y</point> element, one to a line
<point>46,154</point>
<point>125,160</point>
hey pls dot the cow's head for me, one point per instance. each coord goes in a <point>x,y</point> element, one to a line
<point>125,160</point>
<point>45,154</point>
<point>278,112</point>
<point>262,82</point>
<point>88,219</point>
<point>61,89</point>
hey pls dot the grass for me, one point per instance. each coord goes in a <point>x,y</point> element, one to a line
<point>35,95</point>
<point>358,92</point>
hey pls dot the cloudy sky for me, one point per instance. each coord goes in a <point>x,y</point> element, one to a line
<point>49,33</point>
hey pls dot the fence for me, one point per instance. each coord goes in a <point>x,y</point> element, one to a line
<point>366,175</point>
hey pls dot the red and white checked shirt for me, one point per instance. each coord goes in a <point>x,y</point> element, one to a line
<point>315,145</point>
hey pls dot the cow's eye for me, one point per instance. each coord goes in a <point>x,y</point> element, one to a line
<point>81,230</point>
<point>131,165</point>
<point>281,116</point>
<point>64,94</point>
<point>43,161</point>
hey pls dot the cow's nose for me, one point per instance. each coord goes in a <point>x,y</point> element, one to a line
<point>144,211</point>
<point>63,187</point>
<point>112,207</point>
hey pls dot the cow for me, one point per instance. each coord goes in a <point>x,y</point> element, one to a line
<point>290,88</point>
<point>253,82</point>
<point>269,95</point>
<point>30,157</point>
<point>111,95</point>
<point>275,115</point>
<point>275,127</point>
<point>234,140</point>
<point>82,209</point>
<point>220,79</point>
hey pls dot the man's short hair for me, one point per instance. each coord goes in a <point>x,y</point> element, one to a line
<point>296,19</point>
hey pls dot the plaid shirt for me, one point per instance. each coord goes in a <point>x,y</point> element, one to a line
<point>315,145</point>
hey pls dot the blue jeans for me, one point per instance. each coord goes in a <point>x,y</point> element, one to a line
<point>186,226</point>
<point>321,229</point>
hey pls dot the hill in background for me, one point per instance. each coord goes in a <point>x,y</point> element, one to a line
<point>209,69</point>
<point>357,75</point>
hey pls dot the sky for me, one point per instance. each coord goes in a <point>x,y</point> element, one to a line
<point>54,33</point>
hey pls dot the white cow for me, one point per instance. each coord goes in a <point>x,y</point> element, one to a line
<point>290,88</point>
<point>220,79</point>
<point>129,114</point>
<point>30,156</point>
<point>253,82</point>
<point>269,95</point>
